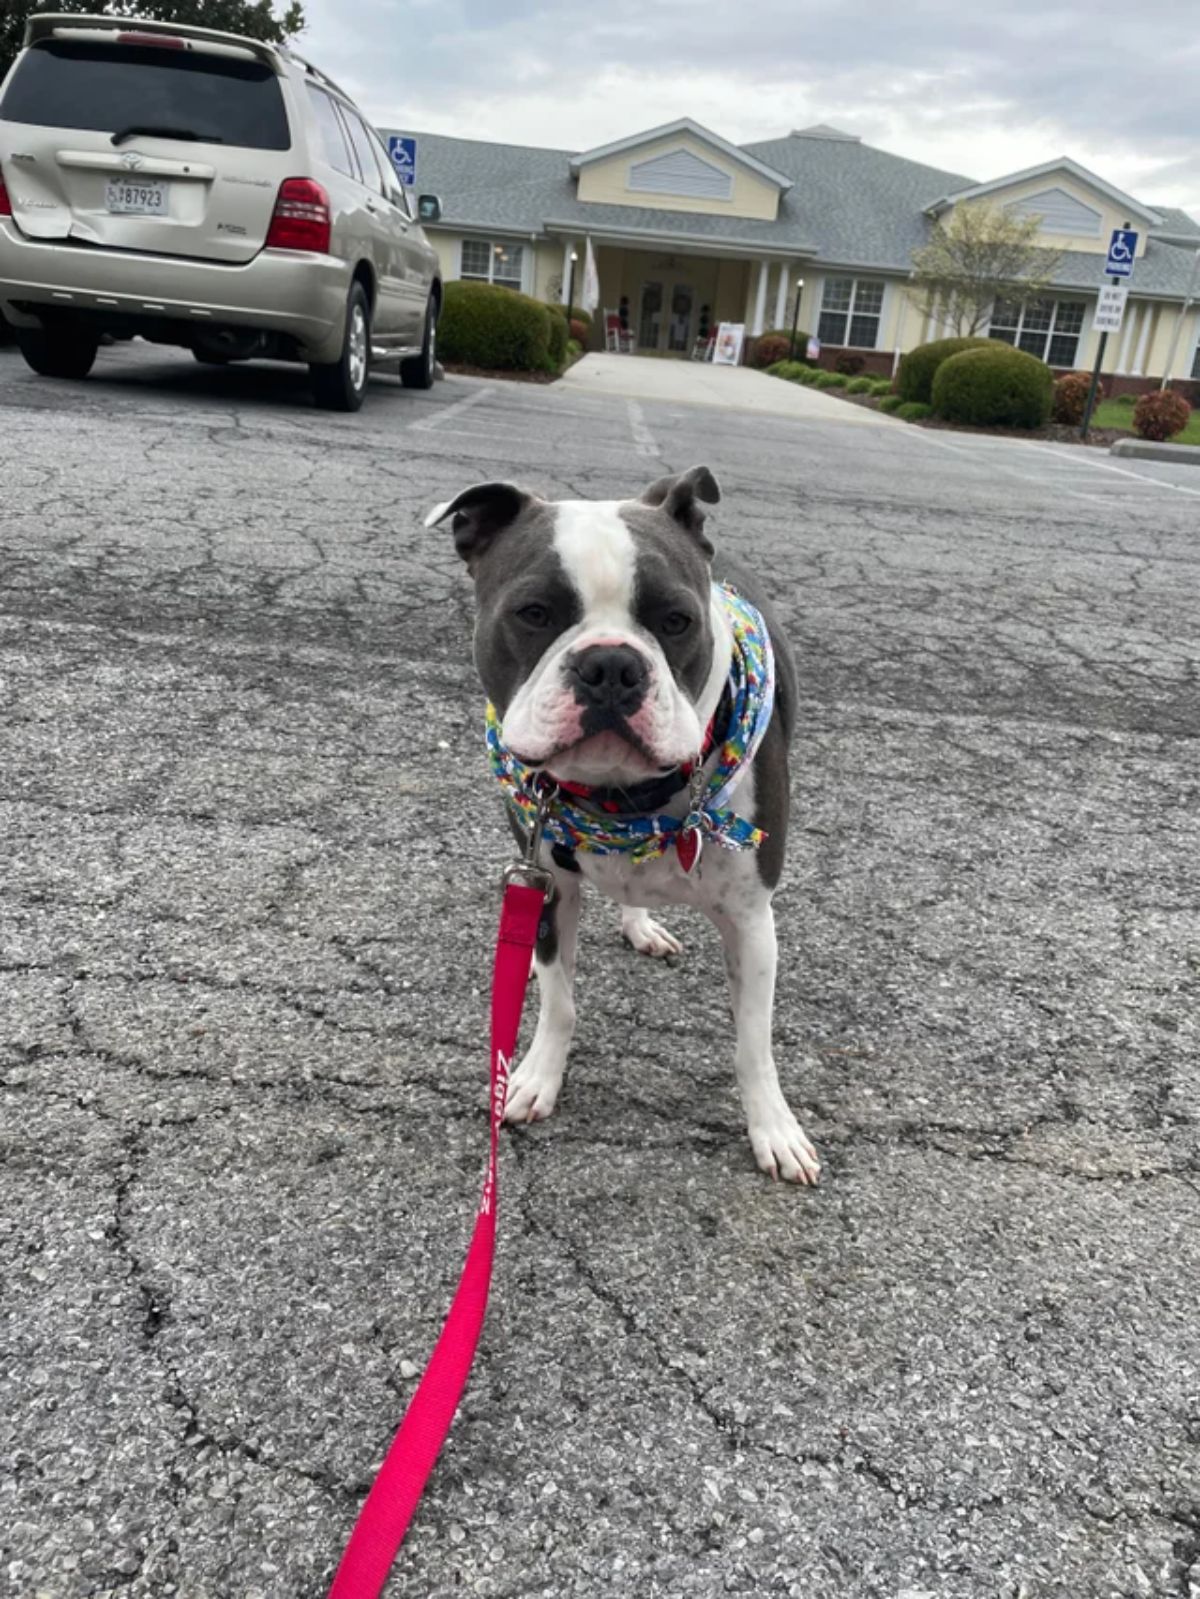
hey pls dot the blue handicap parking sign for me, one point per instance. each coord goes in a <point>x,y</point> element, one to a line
<point>403,152</point>
<point>1122,248</point>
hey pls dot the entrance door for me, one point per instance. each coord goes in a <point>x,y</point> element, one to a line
<point>650,316</point>
<point>679,327</point>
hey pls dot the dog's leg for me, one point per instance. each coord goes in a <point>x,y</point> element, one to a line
<point>646,935</point>
<point>777,1138</point>
<point>533,1087</point>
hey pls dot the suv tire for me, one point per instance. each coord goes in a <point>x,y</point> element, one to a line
<point>58,350</point>
<point>417,372</point>
<point>341,385</point>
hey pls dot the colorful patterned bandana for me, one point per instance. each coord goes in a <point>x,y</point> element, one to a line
<point>573,826</point>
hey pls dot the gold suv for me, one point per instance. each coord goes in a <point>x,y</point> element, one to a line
<point>206,190</point>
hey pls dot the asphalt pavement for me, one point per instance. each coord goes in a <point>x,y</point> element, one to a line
<point>247,898</point>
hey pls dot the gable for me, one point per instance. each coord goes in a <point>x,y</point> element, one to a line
<point>681,172</point>
<point>1060,213</point>
<point>677,172</point>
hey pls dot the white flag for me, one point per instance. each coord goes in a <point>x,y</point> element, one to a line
<point>590,297</point>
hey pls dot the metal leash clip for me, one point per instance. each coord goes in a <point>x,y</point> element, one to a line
<point>527,870</point>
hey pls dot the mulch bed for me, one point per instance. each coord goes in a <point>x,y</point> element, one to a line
<point>509,377</point>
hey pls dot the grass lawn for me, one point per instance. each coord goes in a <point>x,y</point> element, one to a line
<point>1111,414</point>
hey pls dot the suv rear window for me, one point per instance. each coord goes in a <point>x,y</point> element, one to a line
<point>67,83</point>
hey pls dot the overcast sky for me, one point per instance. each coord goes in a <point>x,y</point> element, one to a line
<point>980,90</point>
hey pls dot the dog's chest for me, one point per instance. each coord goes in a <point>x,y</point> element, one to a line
<point>719,876</point>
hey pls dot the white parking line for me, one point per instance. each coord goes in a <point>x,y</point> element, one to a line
<point>1026,477</point>
<point>428,423</point>
<point>642,435</point>
<point>1103,466</point>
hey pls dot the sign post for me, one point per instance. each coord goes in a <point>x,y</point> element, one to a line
<point>1110,306</point>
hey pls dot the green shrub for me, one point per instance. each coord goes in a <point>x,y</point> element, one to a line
<point>558,338</point>
<point>914,381</point>
<point>1070,398</point>
<point>893,402</point>
<point>859,386</point>
<point>574,349</point>
<point>994,386</point>
<point>1161,415</point>
<point>880,386</point>
<point>483,325</point>
<point>831,380</point>
<point>806,374</point>
<point>788,369</point>
<point>913,410</point>
<point>1127,399</point>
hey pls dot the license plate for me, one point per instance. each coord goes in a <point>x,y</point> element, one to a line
<point>139,197</point>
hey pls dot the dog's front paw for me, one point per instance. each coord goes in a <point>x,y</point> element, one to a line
<point>782,1149</point>
<point>646,935</point>
<point>533,1088</point>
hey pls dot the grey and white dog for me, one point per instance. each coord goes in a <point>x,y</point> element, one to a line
<point>606,651</point>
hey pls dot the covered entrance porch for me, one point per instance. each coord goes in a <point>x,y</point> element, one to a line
<point>670,298</point>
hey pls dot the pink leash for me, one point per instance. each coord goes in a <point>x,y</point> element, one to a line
<point>388,1509</point>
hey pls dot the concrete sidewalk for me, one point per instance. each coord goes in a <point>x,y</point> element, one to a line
<point>732,388</point>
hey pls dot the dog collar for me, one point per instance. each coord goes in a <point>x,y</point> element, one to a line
<point>571,822</point>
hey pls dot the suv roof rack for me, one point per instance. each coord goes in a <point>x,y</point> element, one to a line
<point>314,72</point>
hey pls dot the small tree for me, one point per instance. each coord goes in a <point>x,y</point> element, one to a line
<point>982,254</point>
<point>256,18</point>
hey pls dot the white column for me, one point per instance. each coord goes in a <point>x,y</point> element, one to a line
<point>760,302</point>
<point>1127,337</point>
<point>566,271</point>
<point>1139,360</point>
<point>781,297</point>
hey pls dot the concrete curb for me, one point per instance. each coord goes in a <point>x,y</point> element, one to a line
<point>1147,450</point>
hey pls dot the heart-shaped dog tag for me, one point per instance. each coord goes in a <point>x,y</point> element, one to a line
<point>687,847</point>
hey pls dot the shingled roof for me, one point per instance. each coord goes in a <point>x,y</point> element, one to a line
<point>850,205</point>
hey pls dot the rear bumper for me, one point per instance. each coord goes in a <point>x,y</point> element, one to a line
<point>290,293</point>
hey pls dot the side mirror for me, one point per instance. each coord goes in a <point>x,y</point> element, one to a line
<point>429,208</point>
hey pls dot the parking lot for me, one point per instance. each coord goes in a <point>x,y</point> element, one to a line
<point>246,911</point>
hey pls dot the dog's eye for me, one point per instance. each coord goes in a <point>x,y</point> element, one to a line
<point>675,623</point>
<point>535,615</point>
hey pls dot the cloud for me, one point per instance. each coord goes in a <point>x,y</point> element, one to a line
<point>985,90</point>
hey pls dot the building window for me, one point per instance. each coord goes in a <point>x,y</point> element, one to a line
<point>1049,329</point>
<point>850,312</point>
<point>489,261</point>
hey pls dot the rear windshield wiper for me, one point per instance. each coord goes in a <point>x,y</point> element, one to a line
<point>164,133</point>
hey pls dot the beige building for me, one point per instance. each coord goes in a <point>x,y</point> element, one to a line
<point>690,230</point>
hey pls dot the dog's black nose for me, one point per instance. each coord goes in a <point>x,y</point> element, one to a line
<point>610,677</point>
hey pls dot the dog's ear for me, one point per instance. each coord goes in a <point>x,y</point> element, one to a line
<point>480,513</point>
<point>680,498</point>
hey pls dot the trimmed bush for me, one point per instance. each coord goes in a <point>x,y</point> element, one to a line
<point>768,349</point>
<point>580,331</point>
<point>914,381</point>
<point>880,386</point>
<point>1070,398</point>
<point>483,325</point>
<point>558,339</point>
<point>1161,415</point>
<point>831,380</point>
<point>793,371</point>
<point>893,402</point>
<point>576,314</point>
<point>807,375</point>
<point>849,365</point>
<point>574,349</point>
<point>913,410</point>
<point>994,386</point>
<point>859,386</point>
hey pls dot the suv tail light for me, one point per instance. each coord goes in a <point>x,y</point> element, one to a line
<point>301,220</point>
<point>160,41</point>
<point>5,202</point>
